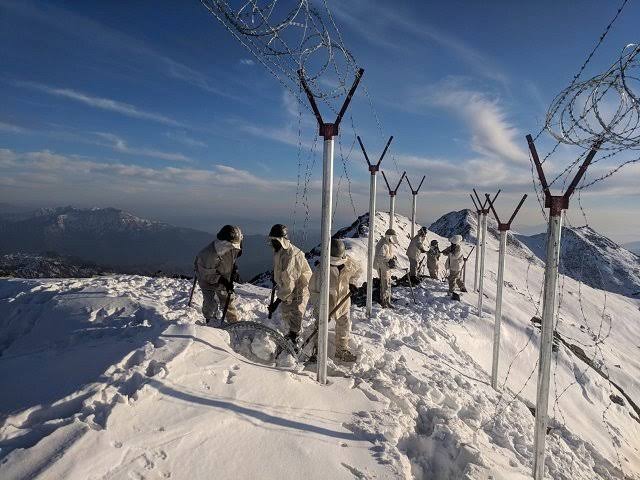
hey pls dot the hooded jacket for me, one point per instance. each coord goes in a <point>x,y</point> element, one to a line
<point>417,246</point>
<point>385,251</point>
<point>339,280</point>
<point>290,270</point>
<point>455,257</point>
<point>215,260</point>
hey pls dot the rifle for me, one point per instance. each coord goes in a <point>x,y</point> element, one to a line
<point>195,279</point>
<point>273,295</point>
<point>229,293</point>
<point>315,330</point>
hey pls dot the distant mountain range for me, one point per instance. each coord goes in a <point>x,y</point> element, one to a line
<point>586,255</point>
<point>58,239</point>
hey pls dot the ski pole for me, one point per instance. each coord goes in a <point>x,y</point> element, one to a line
<point>273,295</point>
<point>195,279</point>
<point>315,330</point>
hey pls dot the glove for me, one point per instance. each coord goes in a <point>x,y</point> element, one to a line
<point>393,263</point>
<point>352,289</point>
<point>274,306</point>
<point>228,284</point>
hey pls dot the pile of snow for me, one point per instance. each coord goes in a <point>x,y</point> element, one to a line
<point>112,378</point>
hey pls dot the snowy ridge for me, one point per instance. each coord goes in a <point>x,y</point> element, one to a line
<point>593,259</point>
<point>153,395</point>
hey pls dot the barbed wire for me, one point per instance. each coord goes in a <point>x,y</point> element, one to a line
<point>604,108</point>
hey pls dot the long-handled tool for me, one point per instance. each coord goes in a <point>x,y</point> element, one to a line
<point>195,280</point>
<point>273,296</point>
<point>315,330</point>
<point>229,293</point>
<point>413,296</point>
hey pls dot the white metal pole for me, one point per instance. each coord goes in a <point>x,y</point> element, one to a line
<point>371,247</point>
<point>482,253</point>
<point>546,340</point>
<point>392,210</point>
<point>477,267</point>
<point>325,252</point>
<point>413,215</point>
<point>498,318</point>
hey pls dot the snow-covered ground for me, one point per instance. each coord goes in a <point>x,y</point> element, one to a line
<point>112,378</point>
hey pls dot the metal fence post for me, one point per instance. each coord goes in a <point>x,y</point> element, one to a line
<point>373,169</point>
<point>556,205</point>
<point>328,131</point>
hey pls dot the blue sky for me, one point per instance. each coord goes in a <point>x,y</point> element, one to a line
<point>155,108</point>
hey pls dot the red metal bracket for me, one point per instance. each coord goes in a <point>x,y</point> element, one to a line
<point>392,192</point>
<point>415,192</point>
<point>329,130</point>
<point>557,203</point>
<point>374,167</point>
<point>504,226</point>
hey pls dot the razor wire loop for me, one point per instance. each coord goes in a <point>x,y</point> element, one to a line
<point>580,115</point>
<point>589,57</point>
<point>286,40</point>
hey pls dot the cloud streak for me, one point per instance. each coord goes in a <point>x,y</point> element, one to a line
<point>491,133</point>
<point>101,103</point>
<point>119,145</point>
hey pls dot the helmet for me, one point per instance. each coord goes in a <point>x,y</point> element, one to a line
<point>337,248</point>
<point>423,231</point>
<point>391,231</point>
<point>456,239</point>
<point>434,243</point>
<point>231,234</point>
<point>278,231</point>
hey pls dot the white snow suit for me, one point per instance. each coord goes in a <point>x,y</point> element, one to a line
<point>339,279</point>
<point>433,255</point>
<point>385,251</point>
<point>291,274</point>
<point>214,262</point>
<point>455,261</point>
<point>417,247</point>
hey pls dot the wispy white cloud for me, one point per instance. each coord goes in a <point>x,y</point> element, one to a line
<point>101,103</point>
<point>247,62</point>
<point>11,128</point>
<point>183,138</point>
<point>492,135</point>
<point>119,145</point>
<point>70,169</point>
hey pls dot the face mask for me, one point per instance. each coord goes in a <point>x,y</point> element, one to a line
<point>276,245</point>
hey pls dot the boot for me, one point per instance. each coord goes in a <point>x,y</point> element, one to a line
<point>344,355</point>
<point>292,337</point>
<point>463,289</point>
